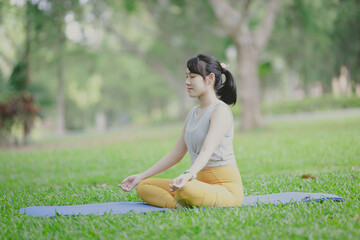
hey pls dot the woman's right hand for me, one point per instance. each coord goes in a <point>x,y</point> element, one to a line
<point>130,182</point>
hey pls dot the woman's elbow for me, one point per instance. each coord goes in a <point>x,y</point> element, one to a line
<point>177,157</point>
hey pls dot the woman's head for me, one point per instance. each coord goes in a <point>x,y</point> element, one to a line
<point>204,65</point>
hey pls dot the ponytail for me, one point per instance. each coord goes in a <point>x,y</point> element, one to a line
<point>203,65</point>
<point>227,91</point>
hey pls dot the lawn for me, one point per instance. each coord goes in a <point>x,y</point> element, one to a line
<point>271,160</point>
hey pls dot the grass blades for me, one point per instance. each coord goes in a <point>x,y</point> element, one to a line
<point>271,160</point>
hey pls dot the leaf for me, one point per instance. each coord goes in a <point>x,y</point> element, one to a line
<point>306,198</point>
<point>306,176</point>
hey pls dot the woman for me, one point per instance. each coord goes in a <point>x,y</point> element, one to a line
<point>207,135</point>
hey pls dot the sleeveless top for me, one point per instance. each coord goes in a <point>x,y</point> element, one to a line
<point>197,127</point>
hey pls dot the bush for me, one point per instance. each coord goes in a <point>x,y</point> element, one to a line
<point>17,110</point>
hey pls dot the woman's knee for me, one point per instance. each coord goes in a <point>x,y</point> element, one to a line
<point>140,186</point>
<point>143,182</point>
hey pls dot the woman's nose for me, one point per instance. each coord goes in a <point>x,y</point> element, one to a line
<point>187,82</point>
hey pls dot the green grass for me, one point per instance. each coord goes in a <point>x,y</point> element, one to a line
<point>270,161</point>
<point>326,102</point>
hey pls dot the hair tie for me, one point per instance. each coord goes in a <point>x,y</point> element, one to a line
<point>223,66</point>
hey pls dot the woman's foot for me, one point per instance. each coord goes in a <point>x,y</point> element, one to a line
<point>179,206</point>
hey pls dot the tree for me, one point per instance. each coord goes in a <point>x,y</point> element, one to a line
<point>249,44</point>
<point>18,107</point>
<point>182,34</point>
<point>312,37</point>
<point>168,48</point>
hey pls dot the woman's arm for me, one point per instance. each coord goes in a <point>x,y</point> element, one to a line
<point>220,123</point>
<point>174,157</point>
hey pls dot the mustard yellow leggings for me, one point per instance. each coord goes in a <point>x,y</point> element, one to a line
<point>214,187</point>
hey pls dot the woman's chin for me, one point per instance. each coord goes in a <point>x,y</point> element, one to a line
<point>192,95</point>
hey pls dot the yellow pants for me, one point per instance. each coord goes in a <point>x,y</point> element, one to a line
<point>214,187</point>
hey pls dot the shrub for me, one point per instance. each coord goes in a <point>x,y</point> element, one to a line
<point>17,110</point>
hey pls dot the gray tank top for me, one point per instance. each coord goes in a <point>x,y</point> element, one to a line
<point>197,127</point>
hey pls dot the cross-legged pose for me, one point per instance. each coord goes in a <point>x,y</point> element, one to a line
<point>213,178</point>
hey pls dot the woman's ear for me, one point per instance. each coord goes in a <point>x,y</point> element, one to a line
<point>210,79</point>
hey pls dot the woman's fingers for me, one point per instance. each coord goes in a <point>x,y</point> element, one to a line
<point>122,187</point>
<point>176,186</point>
<point>125,180</point>
<point>125,187</point>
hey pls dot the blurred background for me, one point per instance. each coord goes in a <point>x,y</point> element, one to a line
<point>80,66</point>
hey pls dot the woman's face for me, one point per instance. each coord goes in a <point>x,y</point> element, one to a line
<point>195,84</point>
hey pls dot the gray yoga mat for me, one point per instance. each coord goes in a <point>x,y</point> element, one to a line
<point>139,207</point>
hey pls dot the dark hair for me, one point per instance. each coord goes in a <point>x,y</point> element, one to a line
<point>204,64</point>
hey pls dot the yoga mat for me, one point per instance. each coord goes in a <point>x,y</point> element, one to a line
<point>139,207</point>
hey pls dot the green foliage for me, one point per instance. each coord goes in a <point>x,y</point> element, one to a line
<point>130,5</point>
<point>270,161</point>
<point>197,24</point>
<point>346,35</point>
<point>313,37</point>
<point>311,104</point>
<point>17,81</point>
<point>265,68</point>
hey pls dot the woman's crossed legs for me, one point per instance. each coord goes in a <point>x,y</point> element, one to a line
<point>156,192</point>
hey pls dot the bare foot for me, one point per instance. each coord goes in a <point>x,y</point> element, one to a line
<point>179,206</point>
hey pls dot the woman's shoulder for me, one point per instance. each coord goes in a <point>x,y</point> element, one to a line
<point>222,105</point>
<point>222,109</point>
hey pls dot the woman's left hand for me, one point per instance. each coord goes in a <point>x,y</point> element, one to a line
<point>180,182</point>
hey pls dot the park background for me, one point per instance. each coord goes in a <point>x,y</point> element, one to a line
<point>92,91</point>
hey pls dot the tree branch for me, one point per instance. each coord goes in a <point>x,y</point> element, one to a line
<point>131,48</point>
<point>245,11</point>
<point>262,35</point>
<point>226,14</point>
<point>7,59</point>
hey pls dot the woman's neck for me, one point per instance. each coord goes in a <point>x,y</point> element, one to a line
<point>207,99</point>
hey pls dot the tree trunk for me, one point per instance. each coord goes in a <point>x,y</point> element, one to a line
<point>27,120</point>
<point>60,100</point>
<point>249,45</point>
<point>249,88</point>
